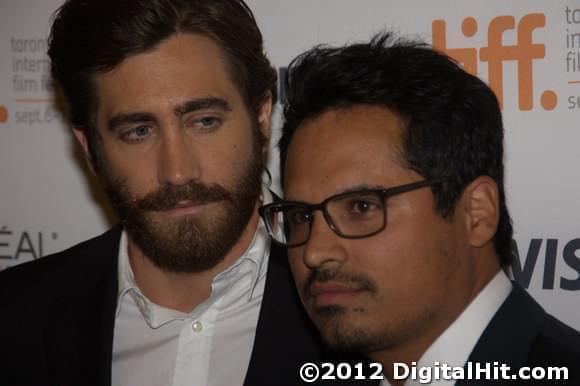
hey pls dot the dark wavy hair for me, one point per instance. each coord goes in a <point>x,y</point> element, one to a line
<point>453,124</point>
<point>89,37</point>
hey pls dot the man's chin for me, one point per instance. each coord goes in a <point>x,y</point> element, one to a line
<point>340,332</point>
<point>188,243</point>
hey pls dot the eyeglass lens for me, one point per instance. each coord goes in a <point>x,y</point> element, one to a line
<point>352,215</point>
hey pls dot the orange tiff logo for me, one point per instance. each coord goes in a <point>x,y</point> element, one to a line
<point>524,52</point>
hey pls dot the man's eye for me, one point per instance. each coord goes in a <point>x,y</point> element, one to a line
<point>364,206</point>
<point>298,217</point>
<point>207,124</point>
<point>136,134</point>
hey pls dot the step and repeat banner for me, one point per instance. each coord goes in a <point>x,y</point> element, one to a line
<point>527,50</point>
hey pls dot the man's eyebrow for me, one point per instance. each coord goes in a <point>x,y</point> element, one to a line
<point>127,118</point>
<point>201,104</point>
<point>358,187</point>
<point>349,189</point>
<point>187,107</point>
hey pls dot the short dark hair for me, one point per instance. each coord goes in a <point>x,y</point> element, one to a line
<point>452,120</point>
<point>89,37</point>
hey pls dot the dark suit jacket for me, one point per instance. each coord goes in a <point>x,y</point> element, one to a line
<point>523,334</point>
<point>57,316</point>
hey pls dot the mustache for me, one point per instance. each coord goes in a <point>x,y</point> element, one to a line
<point>168,196</point>
<point>352,280</point>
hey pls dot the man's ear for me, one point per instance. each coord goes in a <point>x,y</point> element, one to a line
<point>264,117</point>
<point>481,202</point>
<point>81,137</point>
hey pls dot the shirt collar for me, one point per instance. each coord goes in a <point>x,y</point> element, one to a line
<point>454,346</point>
<point>254,261</point>
<point>126,277</point>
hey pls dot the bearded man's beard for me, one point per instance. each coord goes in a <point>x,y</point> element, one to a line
<point>191,243</point>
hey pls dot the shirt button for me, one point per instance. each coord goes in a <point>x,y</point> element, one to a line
<point>197,326</point>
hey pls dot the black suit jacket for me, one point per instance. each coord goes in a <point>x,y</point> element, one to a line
<point>57,316</point>
<point>522,334</point>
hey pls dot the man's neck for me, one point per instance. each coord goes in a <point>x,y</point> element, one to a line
<point>183,291</point>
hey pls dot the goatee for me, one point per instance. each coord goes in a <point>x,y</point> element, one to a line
<point>192,243</point>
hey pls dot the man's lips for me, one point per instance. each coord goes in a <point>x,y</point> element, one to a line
<point>184,208</point>
<point>329,293</point>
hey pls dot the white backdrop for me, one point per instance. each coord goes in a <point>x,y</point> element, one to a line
<point>49,202</point>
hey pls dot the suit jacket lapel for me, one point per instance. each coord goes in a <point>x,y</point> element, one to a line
<point>79,333</point>
<point>512,331</point>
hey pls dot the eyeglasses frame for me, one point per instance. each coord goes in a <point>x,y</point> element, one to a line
<point>384,194</point>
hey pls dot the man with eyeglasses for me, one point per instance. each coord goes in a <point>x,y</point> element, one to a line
<point>395,216</point>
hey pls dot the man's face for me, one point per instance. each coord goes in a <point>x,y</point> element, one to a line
<point>180,155</point>
<point>390,290</point>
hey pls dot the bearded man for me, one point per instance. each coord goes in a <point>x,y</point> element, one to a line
<point>170,101</point>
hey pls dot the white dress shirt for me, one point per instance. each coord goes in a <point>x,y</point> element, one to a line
<point>210,346</point>
<point>454,346</point>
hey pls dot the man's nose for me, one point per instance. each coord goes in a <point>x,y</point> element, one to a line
<point>324,247</point>
<point>178,159</point>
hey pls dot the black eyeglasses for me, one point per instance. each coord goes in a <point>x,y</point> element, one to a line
<point>352,215</point>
